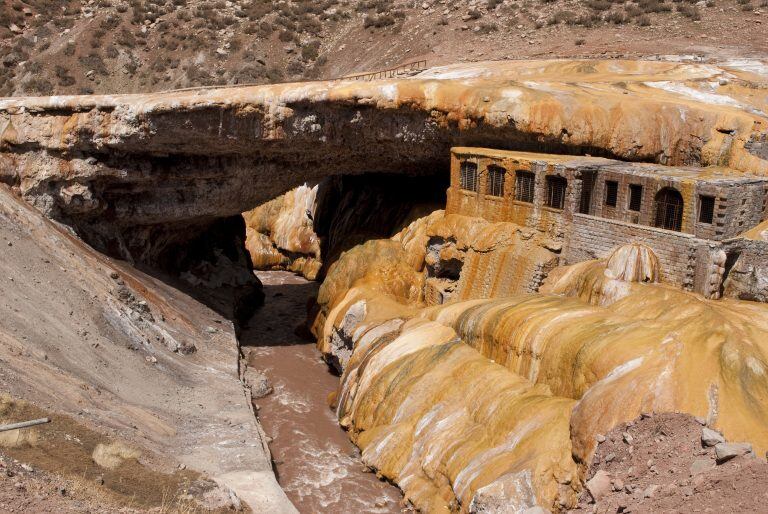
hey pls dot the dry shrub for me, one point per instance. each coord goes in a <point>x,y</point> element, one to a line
<point>14,438</point>
<point>111,455</point>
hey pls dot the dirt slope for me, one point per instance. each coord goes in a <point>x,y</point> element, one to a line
<point>76,46</point>
<point>111,352</point>
<point>660,464</point>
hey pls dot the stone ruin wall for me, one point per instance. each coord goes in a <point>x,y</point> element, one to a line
<point>505,208</point>
<point>687,261</point>
<point>647,213</point>
<point>743,208</point>
<point>738,206</point>
<point>690,259</point>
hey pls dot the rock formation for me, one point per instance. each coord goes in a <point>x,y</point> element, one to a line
<point>139,173</point>
<point>458,399</point>
<point>476,368</point>
<point>307,228</point>
<point>280,234</point>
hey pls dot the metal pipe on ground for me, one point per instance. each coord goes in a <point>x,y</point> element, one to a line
<point>24,424</point>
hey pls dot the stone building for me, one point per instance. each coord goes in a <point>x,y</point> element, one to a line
<point>691,217</point>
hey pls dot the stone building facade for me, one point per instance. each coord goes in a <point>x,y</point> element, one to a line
<point>691,217</point>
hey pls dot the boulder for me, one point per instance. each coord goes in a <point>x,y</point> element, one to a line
<point>510,493</point>
<point>711,437</point>
<point>599,485</point>
<point>258,383</point>
<point>726,451</point>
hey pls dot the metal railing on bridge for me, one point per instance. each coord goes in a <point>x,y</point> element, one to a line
<point>403,69</point>
<point>398,71</point>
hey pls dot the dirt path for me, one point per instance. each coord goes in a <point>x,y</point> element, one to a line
<point>317,466</point>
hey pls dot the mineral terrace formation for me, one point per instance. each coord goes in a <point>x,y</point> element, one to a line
<point>601,253</point>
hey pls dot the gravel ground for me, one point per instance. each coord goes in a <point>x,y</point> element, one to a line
<point>660,463</point>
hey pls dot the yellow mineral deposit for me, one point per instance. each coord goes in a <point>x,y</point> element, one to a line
<point>281,228</point>
<point>509,393</point>
<point>472,360</point>
<point>759,233</point>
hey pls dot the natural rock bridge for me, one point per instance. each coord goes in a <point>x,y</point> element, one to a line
<point>118,167</point>
<point>496,395</point>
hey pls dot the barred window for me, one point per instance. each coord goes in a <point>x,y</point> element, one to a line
<point>495,185</point>
<point>524,184</point>
<point>556,192</point>
<point>635,197</point>
<point>588,179</point>
<point>706,209</point>
<point>469,176</point>
<point>611,192</point>
<point>669,209</point>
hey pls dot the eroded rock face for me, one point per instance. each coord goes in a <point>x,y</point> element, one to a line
<point>183,158</point>
<point>306,229</point>
<point>280,233</point>
<point>454,401</point>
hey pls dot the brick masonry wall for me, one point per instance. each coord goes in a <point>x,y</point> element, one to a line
<point>680,254</point>
<point>505,208</point>
<point>743,207</point>
<point>739,205</point>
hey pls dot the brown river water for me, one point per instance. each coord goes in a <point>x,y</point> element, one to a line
<point>316,464</point>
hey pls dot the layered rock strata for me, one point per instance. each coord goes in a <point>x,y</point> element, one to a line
<point>117,166</point>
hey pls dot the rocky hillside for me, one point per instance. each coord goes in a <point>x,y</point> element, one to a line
<point>91,46</point>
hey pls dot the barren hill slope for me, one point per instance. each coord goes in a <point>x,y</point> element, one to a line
<point>85,46</point>
<point>114,355</point>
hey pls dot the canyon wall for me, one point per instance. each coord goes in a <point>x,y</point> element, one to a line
<point>115,355</point>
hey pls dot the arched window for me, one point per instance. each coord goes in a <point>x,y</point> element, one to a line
<point>468,180</point>
<point>495,184</point>
<point>556,192</point>
<point>669,209</point>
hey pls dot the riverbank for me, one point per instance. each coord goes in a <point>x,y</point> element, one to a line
<point>316,464</point>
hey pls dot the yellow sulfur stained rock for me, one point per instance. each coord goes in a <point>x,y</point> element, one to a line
<point>440,420</point>
<point>280,233</point>
<point>634,263</point>
<point>759,233</point>
<point>507,395</point>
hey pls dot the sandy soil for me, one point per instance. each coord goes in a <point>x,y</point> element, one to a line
<point>317,466</point>
<point>26,489</point>
<point>655,472</point>
<point>30,489</point>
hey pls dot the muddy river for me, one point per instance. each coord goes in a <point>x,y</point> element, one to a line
<point>317,466</point>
